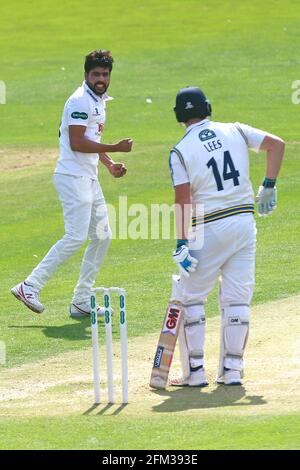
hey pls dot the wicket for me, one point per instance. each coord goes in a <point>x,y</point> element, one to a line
<point>106,291</point>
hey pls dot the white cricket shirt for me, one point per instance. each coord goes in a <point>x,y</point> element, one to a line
<point>83,108</point>
<point>213,157</point>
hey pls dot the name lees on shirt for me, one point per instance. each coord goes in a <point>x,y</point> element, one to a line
<point>206,135</point>
<point>213,145</point>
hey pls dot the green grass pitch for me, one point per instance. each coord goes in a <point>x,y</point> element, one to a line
<point>245,56</point>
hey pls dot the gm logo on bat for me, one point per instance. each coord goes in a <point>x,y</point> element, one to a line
<point>171,321</point>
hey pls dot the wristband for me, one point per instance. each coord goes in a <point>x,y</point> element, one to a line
<point>269,182</point>
<point>181,243</point>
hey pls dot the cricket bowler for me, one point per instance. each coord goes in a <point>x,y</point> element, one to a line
<point>78,188</point>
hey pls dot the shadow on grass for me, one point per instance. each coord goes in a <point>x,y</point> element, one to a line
<point>72,331</point>
<point>91,409</point>
<point>104,408</point>
<point>187,398</point>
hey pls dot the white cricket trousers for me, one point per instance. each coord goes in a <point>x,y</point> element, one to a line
<point>85,217</point>
<point>229,251</point>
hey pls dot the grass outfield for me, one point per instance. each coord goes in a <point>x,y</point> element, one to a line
<point>243,54</point>
<point>264,433</point>
<point>243,59</point>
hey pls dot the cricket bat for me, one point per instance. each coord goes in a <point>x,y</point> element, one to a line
<point>167,340</point>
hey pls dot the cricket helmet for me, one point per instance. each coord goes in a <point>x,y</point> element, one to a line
<point>191,102</point>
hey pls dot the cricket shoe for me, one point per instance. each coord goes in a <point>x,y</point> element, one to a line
<point>195,379</point>
<point>83,309</point>
<point>29,296</point>
<point>230,377</point>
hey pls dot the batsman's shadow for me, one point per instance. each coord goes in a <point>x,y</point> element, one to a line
<point>187,398</point>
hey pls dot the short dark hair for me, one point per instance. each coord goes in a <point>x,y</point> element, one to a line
<point>98,58</point>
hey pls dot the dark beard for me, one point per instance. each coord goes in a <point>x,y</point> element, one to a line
<point>94,89</point>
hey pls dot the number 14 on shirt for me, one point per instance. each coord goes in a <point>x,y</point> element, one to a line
<point>229,171</point>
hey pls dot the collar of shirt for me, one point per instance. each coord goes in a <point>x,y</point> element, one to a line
<point>95,97</point>
<point>200,123</point>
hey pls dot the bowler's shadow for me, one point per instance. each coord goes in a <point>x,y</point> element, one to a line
<point>71,332</point>
<point>187,398</point>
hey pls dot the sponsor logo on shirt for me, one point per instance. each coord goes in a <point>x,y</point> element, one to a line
<point>206,134</point>
<point>78,115</point>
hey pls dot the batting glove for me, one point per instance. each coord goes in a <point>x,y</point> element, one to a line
<point>266,197</point>
<point>186,263</point>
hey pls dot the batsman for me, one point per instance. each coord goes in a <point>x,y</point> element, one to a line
<point>210,173</point>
